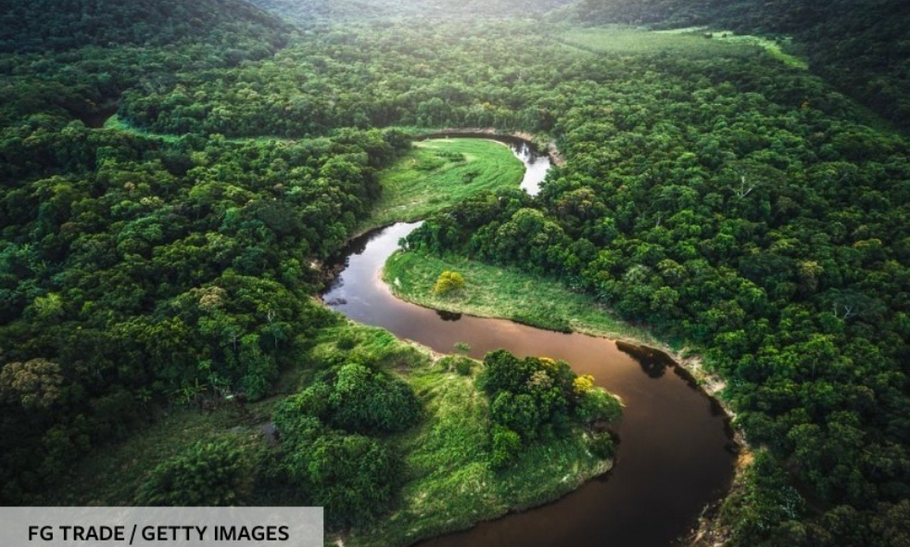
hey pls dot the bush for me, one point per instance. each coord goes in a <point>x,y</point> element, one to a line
<point>366,400</point>
<point>506,446</point>
<point>517,412</point>
<point>457,363</point>
<point>597,405</point>
<point>601,445</point>
<point>448,283</point>
<point>207,473</point>
<point>354,477</point>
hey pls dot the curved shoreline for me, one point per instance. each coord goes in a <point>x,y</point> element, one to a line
<point>535,142</point>
<point>689,369</point>
<point>709,530</point>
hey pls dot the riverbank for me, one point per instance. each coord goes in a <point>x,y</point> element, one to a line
<point>451,484</point>
<point>438,173</point>
<point>505,293</point>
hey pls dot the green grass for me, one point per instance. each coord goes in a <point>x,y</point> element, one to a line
<point>491,291</point>
<point>624,40</point>
<point>691,42</point>
<point>773,48</point>
<point>439,173</point>
<point>117,124</point>
<point>113,473</point>
<point>450,484</point>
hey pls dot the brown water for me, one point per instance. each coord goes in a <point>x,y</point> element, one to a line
<point>674,455</point>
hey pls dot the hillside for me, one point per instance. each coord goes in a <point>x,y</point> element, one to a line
<point>50,24</point>
<point>863,47</point>
<point>160,271</point>
<point>309,12</point>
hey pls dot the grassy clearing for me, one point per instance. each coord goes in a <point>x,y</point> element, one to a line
<point>773,48</point>
<point>691,42</point>
<point>491,291</point>
<point>118,124</point>
<point>617,39</point>
<point>439,173</point>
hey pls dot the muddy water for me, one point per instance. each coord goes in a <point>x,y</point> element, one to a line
<point>674,454</point>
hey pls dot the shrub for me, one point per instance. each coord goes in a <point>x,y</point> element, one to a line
<point>506,446</point>
<point>207,473</point>
<point>601,445</point>
<point>448,283</point>
<point>597,405</point>
<point>367,400</point>
<point>517,412</point>
<point>313,402</point>
<point>354,477</point>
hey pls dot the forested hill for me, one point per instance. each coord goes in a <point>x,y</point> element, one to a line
<point>60,25</point>
<point>862,46</point>
<point>308,12</point>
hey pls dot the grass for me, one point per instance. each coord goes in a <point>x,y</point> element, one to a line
<point>439,173</point>
<point>773,48</point>
<point>491,291</point>
<point>692,42</point>
<point>113,473</point>
<point>449,486</point>
<point>117,124</point>
<point>624,40</point>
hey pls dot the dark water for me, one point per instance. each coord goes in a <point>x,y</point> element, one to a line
<point>673,456</point>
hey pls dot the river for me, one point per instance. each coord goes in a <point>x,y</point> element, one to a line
<point>674,457</point>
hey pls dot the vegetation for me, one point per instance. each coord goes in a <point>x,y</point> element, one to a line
<point>458,433</point>
<point>860,46</point>
<point>448,283</point>
<point>509,293</point>
<point>167,264</point>
<point>439,173</point>
<point>206,474</point>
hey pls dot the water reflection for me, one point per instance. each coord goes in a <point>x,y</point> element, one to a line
<point>448,315</point>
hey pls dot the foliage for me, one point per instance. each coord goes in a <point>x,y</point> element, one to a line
<point>536,396</point>
<point>506,446</point>
<point>439,173</point>
<point>212,473</point>
<point>596,405</point>
<point>719,196</point>
<point>364,400</point>
<point>860,46</point>
<point>33,384</point>
<point>354,476</point>
<point>508,293</point>
<point>602,445</point>
<point>448,282</point>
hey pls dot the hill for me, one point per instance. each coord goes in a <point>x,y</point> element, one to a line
<point>48,24</point>
<point>863,47</point>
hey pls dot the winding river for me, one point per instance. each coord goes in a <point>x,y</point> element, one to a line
<point>674,456</point>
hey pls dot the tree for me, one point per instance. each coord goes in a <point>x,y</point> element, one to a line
<point>207,473</point>
<point>448,283</point>
<point>34,384</point>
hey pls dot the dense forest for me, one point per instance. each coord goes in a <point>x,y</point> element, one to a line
<point>861,46</point>
<point>727,201</point>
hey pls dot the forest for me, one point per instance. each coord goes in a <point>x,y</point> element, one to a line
<point>174,175</point>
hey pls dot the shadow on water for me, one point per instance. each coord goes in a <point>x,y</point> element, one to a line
<point>448,315</point>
